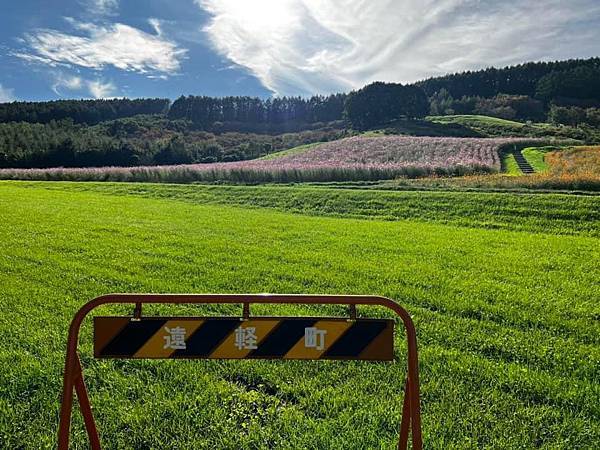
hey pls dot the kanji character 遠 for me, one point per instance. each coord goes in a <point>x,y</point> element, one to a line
<point>175,338</point>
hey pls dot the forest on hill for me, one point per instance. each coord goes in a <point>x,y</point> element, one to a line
<point>88,112</point>
<point>199,129</point>
<point>573,78</point>
<point>261,114</point>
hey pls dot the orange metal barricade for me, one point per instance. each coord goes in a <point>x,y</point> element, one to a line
<point>73,375</point>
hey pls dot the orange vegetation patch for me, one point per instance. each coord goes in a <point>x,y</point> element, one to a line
<point>577,161</point>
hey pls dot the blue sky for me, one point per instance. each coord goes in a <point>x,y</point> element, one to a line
<point>166,48</point>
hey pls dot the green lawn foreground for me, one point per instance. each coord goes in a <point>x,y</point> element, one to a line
<point>508,320</point>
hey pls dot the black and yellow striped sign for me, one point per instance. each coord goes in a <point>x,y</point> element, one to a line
<point>234,338</point>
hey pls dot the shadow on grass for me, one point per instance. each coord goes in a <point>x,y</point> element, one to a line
<point>418,127</point>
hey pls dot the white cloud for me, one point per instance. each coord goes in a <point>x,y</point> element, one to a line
<point>6,95</point>
<point>117,45</point>
<point>156,24</point>
<point>311,46</point>
<point>100,89</point>
<point>72,83</point>
<point>95,88</point>
<point>36,59</point>
<point>102,7</point>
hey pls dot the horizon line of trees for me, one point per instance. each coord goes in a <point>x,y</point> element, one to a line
<point>204,111</point>
<point>89,112</point>
<point>542,80</point>
<point>522,92</point>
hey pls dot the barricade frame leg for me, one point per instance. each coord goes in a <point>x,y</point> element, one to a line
<point>73,381</point>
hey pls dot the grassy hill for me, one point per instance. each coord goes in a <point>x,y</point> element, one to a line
<point>482,123</point>
<point>507,325</point>
<point>485,126</point>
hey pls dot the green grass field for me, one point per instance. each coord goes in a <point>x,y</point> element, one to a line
<point>535,157</point>
<point>476,120</point>
<point>503,289</point>
<point>485,126</point>
<point>509,164</point>
<point>291,151</point>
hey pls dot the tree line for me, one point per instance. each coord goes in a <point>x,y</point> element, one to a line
<point>204,111</point>
<point>524,91</point>
<point>88,112</point>
<point>574,78</point>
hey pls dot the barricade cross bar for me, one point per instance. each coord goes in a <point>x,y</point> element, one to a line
<point>243,337</point>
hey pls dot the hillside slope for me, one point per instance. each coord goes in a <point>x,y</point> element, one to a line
<point>350,159</point>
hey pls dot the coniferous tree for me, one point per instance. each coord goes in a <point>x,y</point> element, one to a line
<point>380,103</point>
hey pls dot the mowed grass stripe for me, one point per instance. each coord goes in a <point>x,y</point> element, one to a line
<point>475,294</point>
<point>545,213</point>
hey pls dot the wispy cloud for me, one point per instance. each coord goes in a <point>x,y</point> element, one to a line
<point>99,46</point>
<point>309,46</point>
<point>95,88</point>
<point>156,24</point>
<point>6,94</point>
<point>100,89</point>
<point>72,83</point>
<point>101,7</point>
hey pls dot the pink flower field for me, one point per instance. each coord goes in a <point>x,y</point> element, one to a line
<point>351,159</point>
